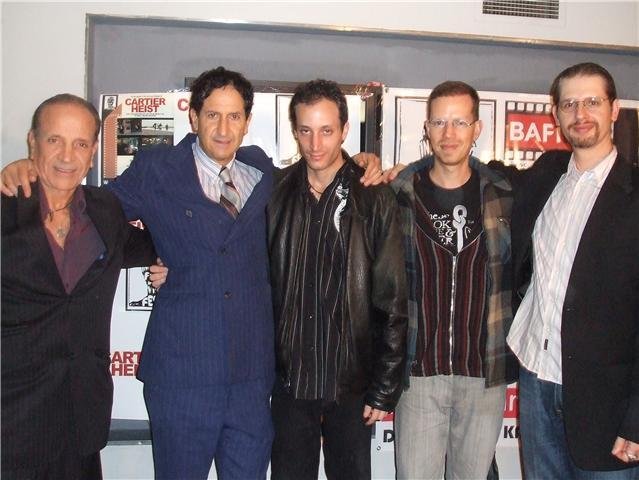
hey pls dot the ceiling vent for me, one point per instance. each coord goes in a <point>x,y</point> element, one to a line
<point>522,8</point>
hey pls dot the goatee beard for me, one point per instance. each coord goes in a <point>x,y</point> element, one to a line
<point>582,141</point>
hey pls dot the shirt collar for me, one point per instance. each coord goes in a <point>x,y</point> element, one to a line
<point>77,206</point>
<point>211,166</point>
<point>598,173</point>
<point>341,176</point>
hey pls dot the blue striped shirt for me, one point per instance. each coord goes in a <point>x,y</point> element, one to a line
<point>244,176</point>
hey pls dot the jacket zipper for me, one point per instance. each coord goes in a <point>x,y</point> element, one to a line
<point>453,293</point>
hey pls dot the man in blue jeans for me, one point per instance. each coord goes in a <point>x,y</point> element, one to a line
<point>576,262</point>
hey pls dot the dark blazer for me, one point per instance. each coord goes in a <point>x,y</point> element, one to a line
<point>600,319</point>
<point>56,384</point>
<point>212,321</point>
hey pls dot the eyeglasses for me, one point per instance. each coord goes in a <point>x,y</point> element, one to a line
<point>458,124</point>
<point>590,103</point>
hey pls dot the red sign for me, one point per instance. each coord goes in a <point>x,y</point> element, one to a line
<point>533,132</point>
<point>124,363</point>
<point>511,408</point>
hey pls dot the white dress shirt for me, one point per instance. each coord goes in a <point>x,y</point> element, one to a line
<point>244,176</point>
<point>535,335</point>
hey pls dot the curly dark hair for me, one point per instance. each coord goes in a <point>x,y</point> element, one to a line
<point>220,77</point>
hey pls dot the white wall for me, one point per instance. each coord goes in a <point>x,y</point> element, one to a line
<point>43,44</point>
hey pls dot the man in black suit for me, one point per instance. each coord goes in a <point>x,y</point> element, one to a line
<point>62,251</point>
<point>575,227</point>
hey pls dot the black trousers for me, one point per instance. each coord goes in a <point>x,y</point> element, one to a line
<point>299,428</point>
<point>68,466</point>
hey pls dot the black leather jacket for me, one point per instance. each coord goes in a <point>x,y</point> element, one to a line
<point>374,307</point>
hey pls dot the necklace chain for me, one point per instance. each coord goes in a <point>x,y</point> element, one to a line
<point>51,212</point>
<point>61,231</point>
<point>315,189</point>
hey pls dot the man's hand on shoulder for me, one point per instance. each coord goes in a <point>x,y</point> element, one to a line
<point>373,166</point>
<point>19,173</point>
<point>374,174</point>
<point>392,173</point>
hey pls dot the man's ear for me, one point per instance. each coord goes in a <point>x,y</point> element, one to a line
<point>479,125</point>
<point>345,131</point>
<point>554,115</point>
<point>248,122</point>
<point>615,109</point>
<point>31,141</point>
<point>193,119</point>
<point>96,144</point>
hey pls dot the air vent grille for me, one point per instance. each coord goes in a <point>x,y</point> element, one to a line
<point>522,8</point>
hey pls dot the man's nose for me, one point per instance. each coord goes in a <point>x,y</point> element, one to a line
<point>67,152</point>
<point>223,126</point>
<point>449,129</point>
<point>581,110</point>
<point>315,141</point>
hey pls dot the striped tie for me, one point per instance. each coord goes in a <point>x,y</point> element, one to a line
<point>229,197</point>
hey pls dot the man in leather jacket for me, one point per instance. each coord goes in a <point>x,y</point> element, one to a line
<point>339,295</point>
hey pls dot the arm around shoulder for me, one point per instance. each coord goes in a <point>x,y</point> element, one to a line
<point>390,304</point>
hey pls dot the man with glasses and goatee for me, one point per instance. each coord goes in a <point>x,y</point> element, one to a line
<point>456,225</point>
<point>576,264</point>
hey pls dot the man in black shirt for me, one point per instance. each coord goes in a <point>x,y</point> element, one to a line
<point>455,220</point>
<point>339,293</point>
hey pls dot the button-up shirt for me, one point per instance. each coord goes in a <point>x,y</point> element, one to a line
<point>535,335</point>
<point>316,346</point>
<point>83,244</point>
<point>244,176</point>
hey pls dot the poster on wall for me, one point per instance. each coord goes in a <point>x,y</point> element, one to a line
<point>529,130</point>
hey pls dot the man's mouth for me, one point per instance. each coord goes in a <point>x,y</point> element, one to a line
<point>448,146</point>
<point>582,127</point>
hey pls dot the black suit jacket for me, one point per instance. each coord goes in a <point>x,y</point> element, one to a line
<point>600,319</point>
<point>56,385</point>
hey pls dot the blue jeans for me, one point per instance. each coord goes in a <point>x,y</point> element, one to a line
<point>543,437</point>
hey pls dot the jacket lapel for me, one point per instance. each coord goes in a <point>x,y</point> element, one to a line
<point>100,214</point>
<point>103,220</point>
<point>611,199</point>
<point>29,221</point>
<point>256,203</point>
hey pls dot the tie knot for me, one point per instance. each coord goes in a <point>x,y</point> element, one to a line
<point>225,175</point>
